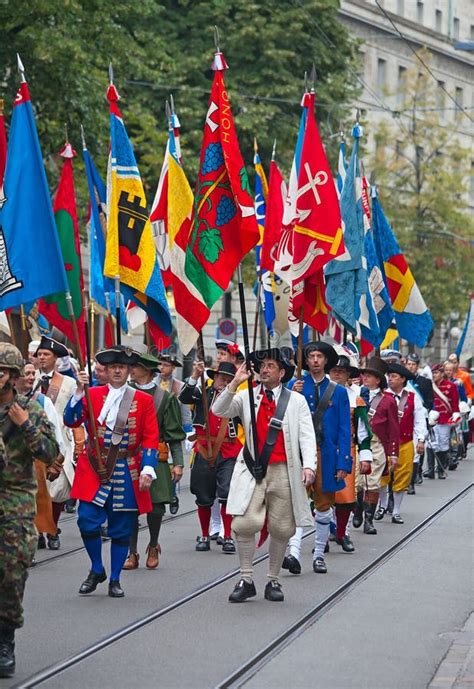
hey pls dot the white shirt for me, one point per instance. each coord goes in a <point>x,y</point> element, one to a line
<point>276,392</point>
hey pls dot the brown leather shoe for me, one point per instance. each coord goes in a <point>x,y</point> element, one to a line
<point>153,559</point>
<point>132,561</point>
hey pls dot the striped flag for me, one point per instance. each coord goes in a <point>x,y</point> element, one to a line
<point>267,281</point>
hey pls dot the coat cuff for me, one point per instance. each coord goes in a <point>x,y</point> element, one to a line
<point>365,456</point>
<point>148,471</point>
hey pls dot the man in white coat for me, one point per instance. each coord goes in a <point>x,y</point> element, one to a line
<point>288,457</point>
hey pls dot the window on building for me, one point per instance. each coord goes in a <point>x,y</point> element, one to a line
<point>456,28</point>
<point>419,12</point>
<point>441,98</point>
<point>401,85</point>
<point>459,96</point>
<point>381,74</point>
<point>439,21</point>
<point>401,7</point>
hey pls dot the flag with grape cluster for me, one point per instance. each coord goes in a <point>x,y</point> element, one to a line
<point>223,227</point>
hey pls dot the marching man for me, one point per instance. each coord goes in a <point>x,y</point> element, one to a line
<point>127,432</point>
<point>284,434</point>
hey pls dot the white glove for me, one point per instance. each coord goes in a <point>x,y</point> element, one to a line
<point>456,417</point>
<point>463,408</point>
<point>433,417</point>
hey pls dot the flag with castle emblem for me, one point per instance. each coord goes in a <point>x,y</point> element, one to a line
<point>55,307</point>
<point>130,249</point>
<point>224,227</point>
<point>28,239</point>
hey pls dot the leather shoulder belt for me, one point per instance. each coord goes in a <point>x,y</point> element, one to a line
<point>274,427</point>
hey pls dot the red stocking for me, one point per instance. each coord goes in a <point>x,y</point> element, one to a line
<point>342,517</point>
<point>227,521</point>
<point>204,514</point>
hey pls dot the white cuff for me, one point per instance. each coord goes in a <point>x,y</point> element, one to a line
<point>365,456</point>
<point>148,471</point>
<point>191,381</point>
<point>76,398</point>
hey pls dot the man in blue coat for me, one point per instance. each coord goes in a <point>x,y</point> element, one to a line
<point>330,409</point>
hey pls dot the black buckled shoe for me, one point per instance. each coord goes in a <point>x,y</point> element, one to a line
<point>7,652</point>
<point>93,580</point>
<point>174,505</point>
<point>396,519</point>
<point>115,590</point>
<point>379,513</point>
<point>291,564</point>
<point>220,540</point>
<point>319,566</point>
<point>53,542</point>
<point>228,546</point>
<point>214,536</point>
<point>346,543</point>
<point>41,542</point>
<point>243,590</point>
<point>273,591</point>
<point>203,543</point>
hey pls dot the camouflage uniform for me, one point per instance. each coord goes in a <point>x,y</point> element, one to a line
<point>19,446</point>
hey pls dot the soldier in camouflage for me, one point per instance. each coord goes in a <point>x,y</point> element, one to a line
<point>25,435</point>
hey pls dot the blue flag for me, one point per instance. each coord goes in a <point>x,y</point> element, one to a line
<point>414,322</point>
<point>261,192</point>
<point>31,263</point>
<point>346,275</point>
<point>101,289</point>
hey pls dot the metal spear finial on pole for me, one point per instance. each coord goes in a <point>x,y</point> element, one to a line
<point>21,68</point>
<point>305,81</point>
<point>167,110</point>
<point>217,39</point>
<point>357,115</point>
<point>111,74</point>
<point>313,77</point>
<point>83,138</point>
<point>342,136</point>
<point>274,149</point>
<point>172,103</point>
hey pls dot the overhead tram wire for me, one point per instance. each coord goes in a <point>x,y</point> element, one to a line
<point>440,85</point>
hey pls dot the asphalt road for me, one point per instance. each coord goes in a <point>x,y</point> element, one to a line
<point>392,630</point>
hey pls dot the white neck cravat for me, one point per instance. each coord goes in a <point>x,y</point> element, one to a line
<point>111,406</point>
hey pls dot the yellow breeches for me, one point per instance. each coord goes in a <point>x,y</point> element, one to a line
<point>404,468</point>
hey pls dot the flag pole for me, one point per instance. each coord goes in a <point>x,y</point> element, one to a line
<point>92,324</point>
<point>110,319</point>
<point>117,310</point>
<point>85,307</point>
<point>101,469</point>
<point>205,404</point>
<point>257,313</point>
<point>253,417</point>
<point>299,354</point>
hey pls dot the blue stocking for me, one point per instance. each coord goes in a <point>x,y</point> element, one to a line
<point>118,555</point>
<point>93,545</point>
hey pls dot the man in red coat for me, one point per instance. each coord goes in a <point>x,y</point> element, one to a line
<point>127,433</point>
<point>446,404</point>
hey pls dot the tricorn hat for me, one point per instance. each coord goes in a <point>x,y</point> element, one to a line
<point>273,353</point>
<point>167,358</point>
<point>378,368</point>
<point>51,345</point>
<point>401,370</point>
<point>148,361</point>
<point>225,367</point>
<point>326,349</point>
<point>413,356</point>
<point>231,347</point>
<point>119,354</point>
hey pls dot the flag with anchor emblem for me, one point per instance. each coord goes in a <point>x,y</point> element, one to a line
<point>130,250</point>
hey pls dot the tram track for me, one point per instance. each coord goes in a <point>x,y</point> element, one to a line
<point>244,673</point>
<point>73,551</point>
<point>248,669</point>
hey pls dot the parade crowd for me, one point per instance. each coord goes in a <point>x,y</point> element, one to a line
<point>335,449</point>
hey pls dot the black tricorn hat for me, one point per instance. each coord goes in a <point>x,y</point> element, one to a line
<point>167,358</point>
<point>273,353</point>
<point>225,367</point>
<point>326,349</point>
<point>378,368</point>
<point>51,345</point>
<point>401,370</point>
<point>119,354</point>
<point>345,363</point>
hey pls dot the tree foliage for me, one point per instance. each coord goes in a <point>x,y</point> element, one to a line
<point>158,48</point>
<point>422,172</point>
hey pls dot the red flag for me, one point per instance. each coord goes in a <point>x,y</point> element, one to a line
<point>317,237</point>
<point>55,308</point>
<point>224,228</point>
<point>273,218</point>
<point>160,340</point>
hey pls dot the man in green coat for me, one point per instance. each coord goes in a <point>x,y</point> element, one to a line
<point>25,435</point>
<point>170,426</point>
